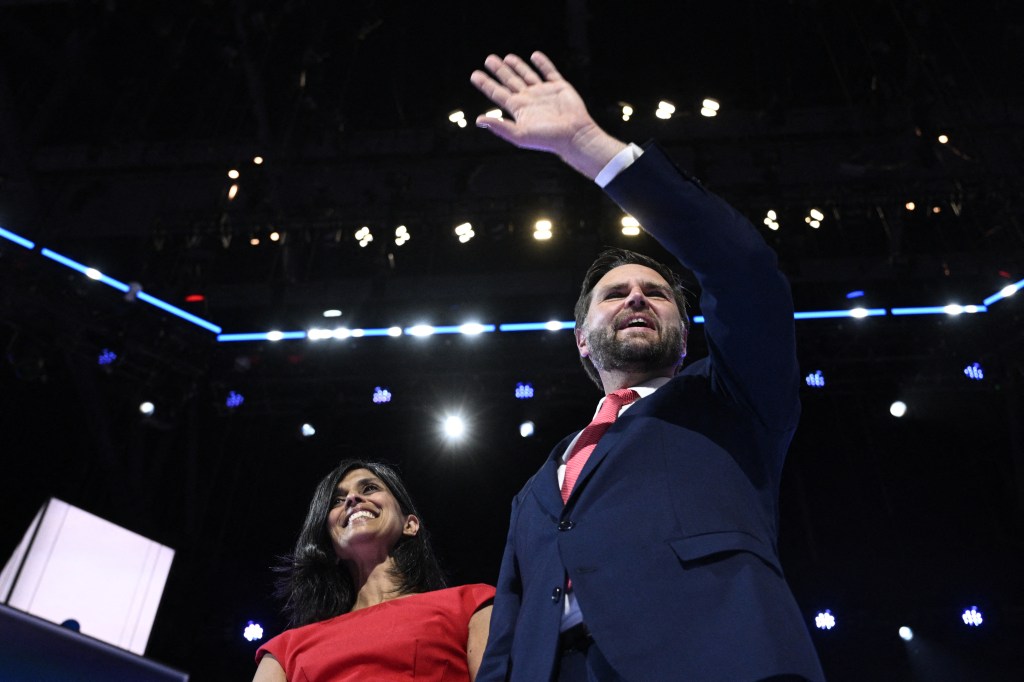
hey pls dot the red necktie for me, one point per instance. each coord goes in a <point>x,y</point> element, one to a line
<point>587,441</point>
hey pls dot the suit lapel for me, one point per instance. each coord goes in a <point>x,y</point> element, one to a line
<point>545,484</point>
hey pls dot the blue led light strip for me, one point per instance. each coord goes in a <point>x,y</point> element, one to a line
<point>20,241</point>
<point>552,326</point>
<point>1005,292</point>
<point>470,329</point>
<point>189,317</point>
<point>91,273</point>
<point>98,276</point>
<point>826,314</point>
<point>940,310</point>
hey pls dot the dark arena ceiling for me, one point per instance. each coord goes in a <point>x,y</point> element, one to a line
<point>120,121</point>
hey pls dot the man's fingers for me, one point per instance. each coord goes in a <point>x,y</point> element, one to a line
<point>545,66</point>
<point>491,89</point>
<point>522,69</point>
<point>504,74</point>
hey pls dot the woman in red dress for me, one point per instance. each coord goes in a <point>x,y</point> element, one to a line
<point>365,596</point>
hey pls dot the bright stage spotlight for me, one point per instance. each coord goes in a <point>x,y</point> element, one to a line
<point>454,427</point>
<point>526,429</point>
<point>420,330</point>
<point>402,235</point>
<point>147,408</point>
<point>381,395</point>
<point>953,309</point>
<point>709,107</point>
<point>234,399</point>
<point>458,117</point>
<point>253,631</point>
<point>906,634</point>
<point>543,229</point>
<point>630,226</point>
<point>898,409</point>
<point>824,620</point>
<point>106,357</point>
<point>464,232</point>
<point>307,430</point>
<point>364,236</point>
<point>972,617</point>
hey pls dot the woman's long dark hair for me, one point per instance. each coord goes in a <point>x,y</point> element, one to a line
<point>315,585</point>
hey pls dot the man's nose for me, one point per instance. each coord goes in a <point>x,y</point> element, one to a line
<point>636,298</point>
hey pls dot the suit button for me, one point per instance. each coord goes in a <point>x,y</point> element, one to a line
<point>566,525</point>
<point>556,594</point>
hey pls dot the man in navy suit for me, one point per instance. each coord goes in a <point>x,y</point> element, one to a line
<point>661,563</point>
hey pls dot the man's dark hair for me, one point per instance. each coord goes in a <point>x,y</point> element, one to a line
<point>608,260</point>
<point>315,585</point>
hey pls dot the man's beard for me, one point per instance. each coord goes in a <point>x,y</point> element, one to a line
<point>641,354</point>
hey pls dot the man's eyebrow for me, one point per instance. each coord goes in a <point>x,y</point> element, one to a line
<point>647,284</point>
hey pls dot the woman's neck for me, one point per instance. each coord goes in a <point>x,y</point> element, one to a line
<point>374,584</point>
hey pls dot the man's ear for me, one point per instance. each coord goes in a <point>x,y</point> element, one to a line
<point>581,342</point>
<point>412,525</point>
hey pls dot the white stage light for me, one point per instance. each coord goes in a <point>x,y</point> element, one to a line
<point>824,620</point>
<point>420,330</point>
<point>972,617</point>
<point>147,408</point>
<point>307,430</point>
<point>454,427</point>
<point>906,634</point>
<point>253,631</point>
<point>630,226</point>
<point>898,409</point>
<point>526,429</point>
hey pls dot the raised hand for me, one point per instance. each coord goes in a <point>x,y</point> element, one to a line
<point>546,112</point>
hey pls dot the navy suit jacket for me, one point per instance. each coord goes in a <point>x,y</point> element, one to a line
<point>669,536</point>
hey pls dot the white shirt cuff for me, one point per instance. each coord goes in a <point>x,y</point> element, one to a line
<point>619,163</point>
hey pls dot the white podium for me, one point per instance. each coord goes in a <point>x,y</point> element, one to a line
<point>74,565</point>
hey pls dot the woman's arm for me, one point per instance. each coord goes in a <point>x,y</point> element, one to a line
<point>479,625</point>
<point>269,670</point>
